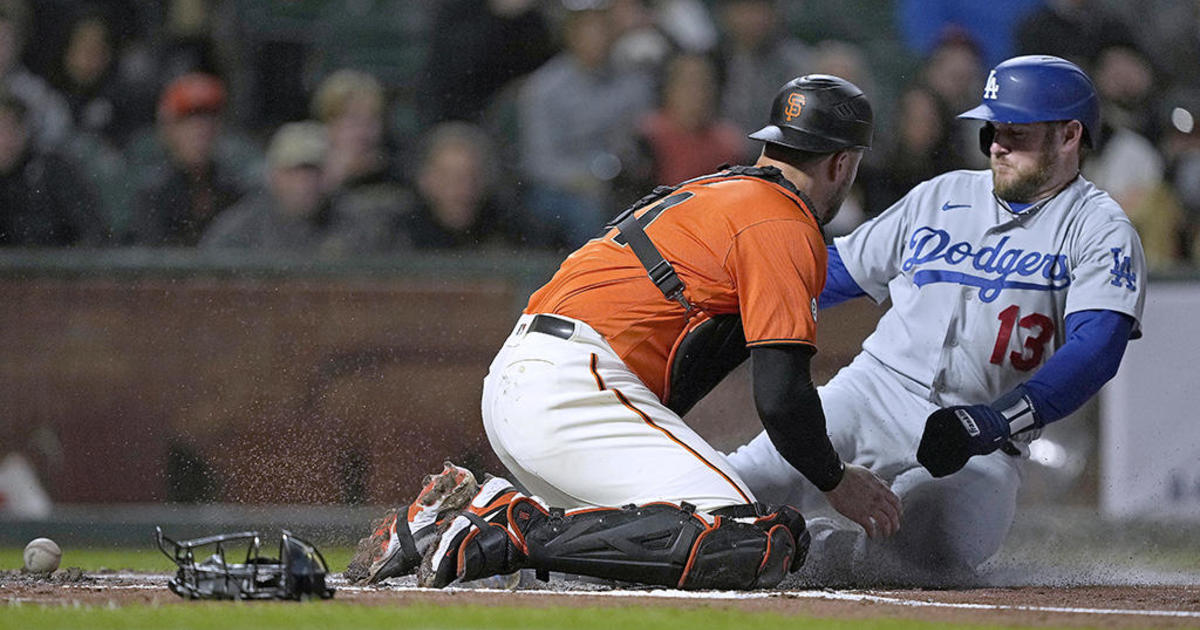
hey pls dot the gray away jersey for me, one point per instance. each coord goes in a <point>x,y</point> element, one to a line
<point>979,294</point>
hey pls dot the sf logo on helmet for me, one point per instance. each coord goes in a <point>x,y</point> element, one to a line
<point>992,90</point>
<point>795,104</point>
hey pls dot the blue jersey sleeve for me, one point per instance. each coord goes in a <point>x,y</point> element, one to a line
<point>839,285</point>
<point>1096,341</point>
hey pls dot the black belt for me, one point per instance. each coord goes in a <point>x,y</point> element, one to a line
<point>553,326</point>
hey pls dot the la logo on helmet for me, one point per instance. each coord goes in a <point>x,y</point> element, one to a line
<point>992,89</point>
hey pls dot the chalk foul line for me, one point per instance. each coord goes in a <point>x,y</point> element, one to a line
<point>920,603</point>
<point>830,595</point>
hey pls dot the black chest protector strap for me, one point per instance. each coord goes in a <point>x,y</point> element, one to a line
<point>661,272</point>
<point>632,228</point>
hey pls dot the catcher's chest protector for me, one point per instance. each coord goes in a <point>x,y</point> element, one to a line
<point>706,354</point>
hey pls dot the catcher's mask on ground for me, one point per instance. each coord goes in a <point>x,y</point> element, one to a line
<point>297,573</point>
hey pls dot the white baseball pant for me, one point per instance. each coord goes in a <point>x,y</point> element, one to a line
<point>577,428</point>
<point>949,525</point>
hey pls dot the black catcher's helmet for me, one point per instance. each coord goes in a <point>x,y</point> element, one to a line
<point>297,573</point>
<point>819,113</point>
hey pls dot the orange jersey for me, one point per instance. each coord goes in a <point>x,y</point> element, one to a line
<point>740,244</point>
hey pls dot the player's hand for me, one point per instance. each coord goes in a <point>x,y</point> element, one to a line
<point>867,500</point>
<point>954,434</point>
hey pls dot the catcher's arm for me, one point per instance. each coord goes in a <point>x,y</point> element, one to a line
<point>791,413</point>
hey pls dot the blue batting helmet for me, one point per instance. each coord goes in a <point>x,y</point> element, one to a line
<point>1039,88</point>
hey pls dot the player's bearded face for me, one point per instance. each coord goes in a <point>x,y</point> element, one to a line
<point>1023,161</point>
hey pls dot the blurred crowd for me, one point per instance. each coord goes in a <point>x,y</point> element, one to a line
<point>352,127</point>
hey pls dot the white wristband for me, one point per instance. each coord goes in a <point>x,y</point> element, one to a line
<point>1020,415</point>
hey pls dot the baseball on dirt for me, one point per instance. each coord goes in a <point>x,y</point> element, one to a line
<point>42,555</point>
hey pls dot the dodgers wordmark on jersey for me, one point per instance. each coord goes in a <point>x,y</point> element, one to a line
<point>1003,281</point>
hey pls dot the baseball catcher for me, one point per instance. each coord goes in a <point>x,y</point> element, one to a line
<point>584,402</point>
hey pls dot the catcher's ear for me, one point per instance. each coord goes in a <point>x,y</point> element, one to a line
<point>837,165</point>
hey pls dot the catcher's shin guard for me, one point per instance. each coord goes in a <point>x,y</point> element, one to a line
<point>658,543</point>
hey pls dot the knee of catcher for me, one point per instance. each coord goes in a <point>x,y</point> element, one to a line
<point>766,516</point>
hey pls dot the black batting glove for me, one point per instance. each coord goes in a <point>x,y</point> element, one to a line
<point>955,434</point>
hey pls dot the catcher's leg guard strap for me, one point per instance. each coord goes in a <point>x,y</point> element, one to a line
<point>657,543</point>
<point>487,550</point>
<point>476,543</point>
<point>470,548</point>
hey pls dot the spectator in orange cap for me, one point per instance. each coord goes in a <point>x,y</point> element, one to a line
<point>191,184</point>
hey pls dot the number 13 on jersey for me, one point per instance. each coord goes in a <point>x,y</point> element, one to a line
<point>1030,355</point>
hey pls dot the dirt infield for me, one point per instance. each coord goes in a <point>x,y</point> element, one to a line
<point>1162,606</point>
